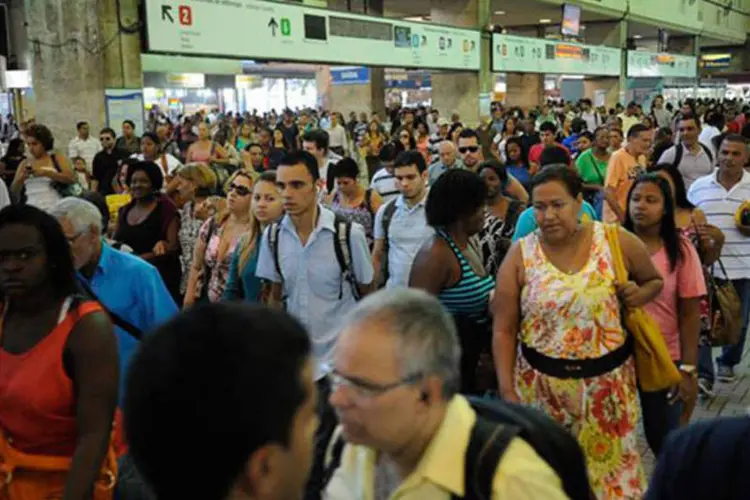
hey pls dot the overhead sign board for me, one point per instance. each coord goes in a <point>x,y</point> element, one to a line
<point>652,64</point>
<point>256,29</point>
<point>538,55</point>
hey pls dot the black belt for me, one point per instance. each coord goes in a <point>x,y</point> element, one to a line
<point>578,368</point>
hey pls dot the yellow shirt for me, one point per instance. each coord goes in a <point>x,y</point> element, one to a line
<point>521,474</point>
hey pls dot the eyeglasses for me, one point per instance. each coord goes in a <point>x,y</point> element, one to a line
<point>241,190</point>
<point>105,138</point>
<point>365,389</point>
<point>466,149</point>
<point>72,239</point>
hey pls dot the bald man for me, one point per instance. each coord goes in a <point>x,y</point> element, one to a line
<point>448,160</point>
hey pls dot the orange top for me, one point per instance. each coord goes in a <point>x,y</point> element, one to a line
<point>37,402</point>
<point>622,171</point>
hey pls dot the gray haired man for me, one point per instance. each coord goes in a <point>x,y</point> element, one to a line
<point>394,381</point>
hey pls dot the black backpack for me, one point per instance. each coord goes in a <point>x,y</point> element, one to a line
<point>342,248</point>
<point>498,422</point>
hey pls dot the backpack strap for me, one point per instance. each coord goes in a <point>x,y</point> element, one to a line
<point>368,200</point>
<point>273,240</point>
<point>117,320</point>
<point>336,452</point>
<point>708,152</point>
<point>343,250</point>
<point>487,444</point>
<point>678,152</point>
<point>388,212</point>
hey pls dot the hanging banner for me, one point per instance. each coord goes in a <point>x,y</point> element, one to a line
<point>521,54</point>
<point>660,65</point>
<point>256,29</point>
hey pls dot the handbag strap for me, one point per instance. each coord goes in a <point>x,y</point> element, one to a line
<point>613,238</point>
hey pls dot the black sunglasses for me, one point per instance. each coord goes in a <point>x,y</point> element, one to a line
<point>241,190</point>
<point>466,149</point>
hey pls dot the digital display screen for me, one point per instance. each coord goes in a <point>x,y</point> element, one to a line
<point>402,36</point>
<point>571,21</point>
<point>315,28</point>
<point>359,28</point>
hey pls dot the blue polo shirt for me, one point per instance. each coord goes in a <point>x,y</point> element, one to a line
<point>133,289</point>
<point>526,223</point>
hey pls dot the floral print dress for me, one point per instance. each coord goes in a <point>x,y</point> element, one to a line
<point>218,269</point>
<point>577,316</point>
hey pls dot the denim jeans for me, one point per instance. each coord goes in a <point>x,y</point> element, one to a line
<point>730,355</point>
<point>660,417</point>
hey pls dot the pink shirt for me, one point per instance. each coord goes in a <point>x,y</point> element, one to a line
<point>686,282</point>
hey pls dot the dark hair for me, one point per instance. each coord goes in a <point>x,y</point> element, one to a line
<point>345,168</point>
<point>60,270</point>
<point>319,137</point>
<point>588,135</point>
<point>554,154</point>
<point>293,158</point>
<point>409,158</point>
<point>107,130</point>
<point>15,148</point>
<point>680,192</point>
<point>663,133</point>
<point>253,145</point>
<point>496,167</point>
<point>715,119</point>
<point>457,194</point>
<point>468,133</point>
<point>578,125</point>
<point>151,169</point>
<point>100,203</point>
<point>518,142</point>
<point>637,129</point>
<point>388,153</point>
<point>152,136</point>
<point>129,122</point>
<point>251,387</point>
<point>691,116</point>
<point>548,127</point>
<point>41,134</point>
<point>285,143</point>
<point>668,229</point>
<point>619,131</point>
<point>735,138</point>
<point>81,124</point>
<point>412,141</point>
<point>562,174</point>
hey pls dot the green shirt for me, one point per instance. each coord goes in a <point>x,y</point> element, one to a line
<point>591,169</point>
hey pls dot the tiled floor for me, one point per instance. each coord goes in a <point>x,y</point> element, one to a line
<point>731,400</point>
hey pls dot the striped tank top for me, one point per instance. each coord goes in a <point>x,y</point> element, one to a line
<point>471,295</point>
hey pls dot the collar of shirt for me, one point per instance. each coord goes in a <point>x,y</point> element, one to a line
<point>744,180</point>
<point>326,220</point>
<point>401,203</point>
<point>104,260</point>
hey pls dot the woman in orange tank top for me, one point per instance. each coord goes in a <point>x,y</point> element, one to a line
<point>58,368</point>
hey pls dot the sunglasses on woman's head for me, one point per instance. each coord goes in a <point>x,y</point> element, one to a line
<point>241,190</point>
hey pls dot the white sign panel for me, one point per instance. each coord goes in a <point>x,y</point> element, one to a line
<point>539,55</point>
<point>124,104</point>
<point>255,29</point>
<point>653,64</point>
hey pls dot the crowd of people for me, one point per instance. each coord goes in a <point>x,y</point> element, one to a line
<point>422,266</point>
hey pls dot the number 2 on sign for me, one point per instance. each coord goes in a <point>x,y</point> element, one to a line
<point>186,15</point>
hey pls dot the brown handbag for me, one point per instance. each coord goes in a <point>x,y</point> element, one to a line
<point>725,309</point>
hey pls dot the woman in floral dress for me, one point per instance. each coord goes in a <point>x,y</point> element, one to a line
<point>556,293</point>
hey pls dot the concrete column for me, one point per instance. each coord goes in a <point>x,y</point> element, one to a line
<point>458,92</point>
<point>323,84</point>
<point>612,34</point>
<point>524,89</point>
<point>377,75</point>
<point>122,58</point>
<point>623,80</point>
<point>68,77</point>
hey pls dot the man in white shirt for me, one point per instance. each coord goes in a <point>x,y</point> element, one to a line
<point>337,142</point>
<point>712,127</point>
<point>660,115</point>
<point>384,182</point>
<point>692,158</point>
<point>151,151</point>
<point>84,145</point>
<point>589,115</point>
<point>719,195</point>
<point>629,117</point>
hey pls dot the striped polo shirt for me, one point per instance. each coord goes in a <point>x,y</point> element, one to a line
<point>720,206</point>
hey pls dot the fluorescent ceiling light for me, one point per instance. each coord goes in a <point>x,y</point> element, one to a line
<point>637,36</point>
<point>499,12</point>
<point>418,19</point>
<point>545,21</point>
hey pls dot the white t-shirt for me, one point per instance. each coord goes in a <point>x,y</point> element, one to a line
<point>171,162</point>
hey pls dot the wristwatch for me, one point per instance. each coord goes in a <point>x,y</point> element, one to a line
<point>690,370</point>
